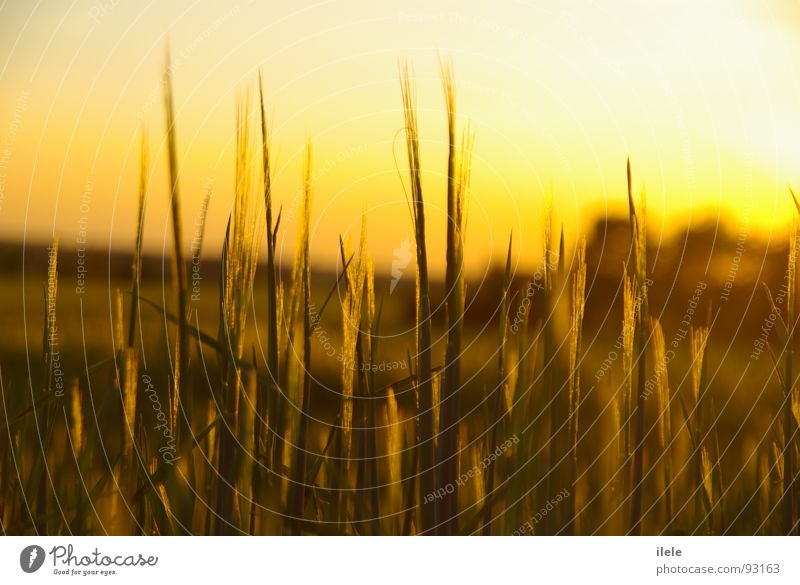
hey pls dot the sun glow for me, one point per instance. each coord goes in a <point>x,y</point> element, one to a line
<point>555,96</point>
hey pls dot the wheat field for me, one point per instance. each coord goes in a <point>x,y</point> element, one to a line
<point>570,400</point>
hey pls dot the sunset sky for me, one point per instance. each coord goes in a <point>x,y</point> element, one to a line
<point>702,95</point>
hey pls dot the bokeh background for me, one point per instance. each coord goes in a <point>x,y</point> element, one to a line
<point>701,96</point>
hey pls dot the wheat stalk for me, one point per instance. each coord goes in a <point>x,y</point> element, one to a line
<point>497,412</point>
<point>273,405</point>
<point>425,445</point>
<point>638,222</point>
<point>664,418</point>
<point>240,258</point>
<point>458,177</point>
<point>181,393</point>
<point>301,279</point>
<point>576,329</point>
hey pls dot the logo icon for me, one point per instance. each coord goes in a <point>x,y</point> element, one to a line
<point>402,256</point>
<point>31,558</point>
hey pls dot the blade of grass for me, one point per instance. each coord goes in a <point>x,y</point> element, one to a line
<point>425,445</point>
<point>181,394</point>
<point>496,399</point>
<point>458,176</point>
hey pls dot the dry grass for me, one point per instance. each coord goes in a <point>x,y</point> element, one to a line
<point>424,369</point>
<point>180,395</point>
<point>665,437</point>
<point>458,177</point>
<point>254,457</point>
<point>239,261</point>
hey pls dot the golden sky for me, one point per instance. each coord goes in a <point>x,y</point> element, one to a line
<point>703,96</point>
